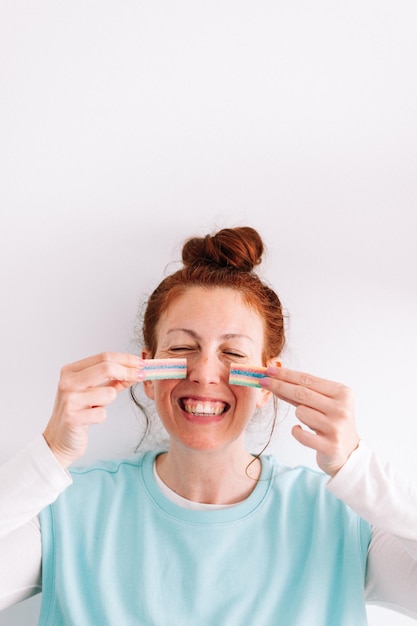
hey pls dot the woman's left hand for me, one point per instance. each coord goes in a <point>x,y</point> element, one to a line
<point>326,407</point>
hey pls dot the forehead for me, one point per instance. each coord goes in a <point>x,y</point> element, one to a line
<point>210,308</point>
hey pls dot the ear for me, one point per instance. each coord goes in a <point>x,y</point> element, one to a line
<point>263,398</point>
<point>148,384</point>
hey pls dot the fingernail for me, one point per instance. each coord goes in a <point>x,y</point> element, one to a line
<point>265,382</point>
<point>272,370</point>
<point>140,375</point>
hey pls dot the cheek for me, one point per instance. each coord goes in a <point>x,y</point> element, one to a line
<point>248,398</point>
<point>253,398</point>
<point>161,392</point>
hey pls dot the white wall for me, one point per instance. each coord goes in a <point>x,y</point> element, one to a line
<point>127,126</point>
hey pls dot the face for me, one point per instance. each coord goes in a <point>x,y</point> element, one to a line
<point>211,328</point>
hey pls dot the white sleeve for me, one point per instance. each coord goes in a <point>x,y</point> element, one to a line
<point>29,481</point>
<point>387,499</point>
<point>20,564</point>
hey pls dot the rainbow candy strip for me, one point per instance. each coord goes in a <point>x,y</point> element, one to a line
<point>159,369</point>
<point>247,375</point>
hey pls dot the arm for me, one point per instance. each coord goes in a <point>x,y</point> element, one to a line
<point>35,477</point>
<point>32,475</point>
<point>387,499</point>
<point>20,564</point>
<point>379,494</point>
<point>383,496</point>
<point>29,481</point>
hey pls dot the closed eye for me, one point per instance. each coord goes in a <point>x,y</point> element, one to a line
<point>181,349</point>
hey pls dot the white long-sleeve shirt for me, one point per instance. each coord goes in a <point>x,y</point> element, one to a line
<point>387,499</point>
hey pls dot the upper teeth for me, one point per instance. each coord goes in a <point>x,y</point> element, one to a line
<point>204,408</point>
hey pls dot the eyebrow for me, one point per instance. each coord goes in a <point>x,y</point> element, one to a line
<point>197,336</point>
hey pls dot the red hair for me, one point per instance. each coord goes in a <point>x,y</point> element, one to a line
<point>225,259</point>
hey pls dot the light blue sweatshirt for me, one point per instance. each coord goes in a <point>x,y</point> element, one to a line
<point>117,552</point>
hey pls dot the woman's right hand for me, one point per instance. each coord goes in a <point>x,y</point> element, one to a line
<point>85,389</point>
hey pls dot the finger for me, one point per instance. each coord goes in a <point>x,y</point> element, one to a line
<point>323,386</point>
<point>297,395</point>
<point>92,415</point>
<point>129,360</point>
<point>309,439</point>
<point>102,373</point>
<point>96,397</point>
<point>71,405</point>
<point>299,388</point>
<point>120,385</point>
<point>315,420</point>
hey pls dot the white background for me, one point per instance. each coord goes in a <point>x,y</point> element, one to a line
<point>126,127</point>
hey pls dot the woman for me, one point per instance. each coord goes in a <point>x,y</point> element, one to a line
<point>204,532</point>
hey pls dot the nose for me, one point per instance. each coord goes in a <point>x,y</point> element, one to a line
<point>205,369</point>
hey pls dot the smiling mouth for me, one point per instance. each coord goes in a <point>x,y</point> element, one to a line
<point>204,408</point>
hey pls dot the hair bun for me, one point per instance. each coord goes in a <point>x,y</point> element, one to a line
<point>240,248</point>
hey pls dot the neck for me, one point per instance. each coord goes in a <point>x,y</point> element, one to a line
<point>210,477</point>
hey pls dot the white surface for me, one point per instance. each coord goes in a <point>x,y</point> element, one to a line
<point>126,127</point>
